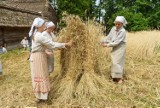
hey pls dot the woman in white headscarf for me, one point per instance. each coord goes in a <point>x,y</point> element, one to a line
<point>39,67</point>
<point>50,55</point>
<point>117,40</point>
<point>33,31</point>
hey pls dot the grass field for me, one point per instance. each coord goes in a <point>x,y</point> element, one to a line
<point>141,88</point>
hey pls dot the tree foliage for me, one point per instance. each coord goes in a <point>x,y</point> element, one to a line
<point>83,8</point>
<point>140,14</point>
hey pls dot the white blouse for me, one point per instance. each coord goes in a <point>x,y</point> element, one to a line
<point>49,36</point>
<point>41,43</point>
<point>115,37</point>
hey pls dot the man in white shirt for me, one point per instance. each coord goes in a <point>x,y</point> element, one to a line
<point>2,51</point>
<point>24,43</point>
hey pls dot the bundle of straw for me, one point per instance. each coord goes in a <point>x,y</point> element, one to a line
<point>82,75</point>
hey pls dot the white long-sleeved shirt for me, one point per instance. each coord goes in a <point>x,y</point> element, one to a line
<point>51,37</point>
<point>115,37</point>
<point>24,42</point>
<point>41,43</point>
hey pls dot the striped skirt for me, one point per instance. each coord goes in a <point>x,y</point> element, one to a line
<point>39,73</point>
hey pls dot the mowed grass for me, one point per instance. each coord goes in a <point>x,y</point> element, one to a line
<point>141,88</point>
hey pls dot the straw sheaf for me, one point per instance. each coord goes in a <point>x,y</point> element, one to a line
<point>81,71</point>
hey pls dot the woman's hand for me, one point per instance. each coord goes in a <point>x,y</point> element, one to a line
<point>104,44</point>
<point>48,52</point>
<point>69,44</point>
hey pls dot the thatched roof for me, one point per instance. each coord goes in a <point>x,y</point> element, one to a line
<point>33,5</point>
<point>20,13</point>
<point>11,16</point>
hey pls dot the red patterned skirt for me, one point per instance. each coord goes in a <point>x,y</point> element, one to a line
<point>39,72</point>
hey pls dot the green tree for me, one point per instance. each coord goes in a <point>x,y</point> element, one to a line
<point>140,14</point>
<point>153,14</point>
<point>83,8</point>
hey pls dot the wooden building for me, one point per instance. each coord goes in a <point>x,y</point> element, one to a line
<point>16,17</point>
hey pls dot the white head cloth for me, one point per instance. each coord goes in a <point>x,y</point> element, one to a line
<point>38,22</point>
<point>121,19</point>
<point>50,24</point>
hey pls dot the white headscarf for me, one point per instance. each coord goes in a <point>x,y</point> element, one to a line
<point>121,19</point>
<point>50,24</point>
<point>38,22</point>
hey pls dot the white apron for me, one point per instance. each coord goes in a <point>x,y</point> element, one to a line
<point>118,59</point>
